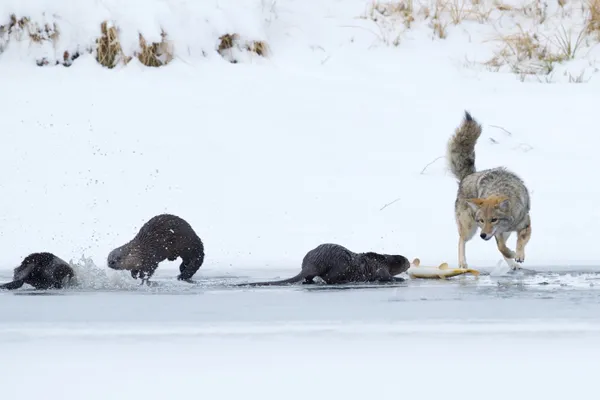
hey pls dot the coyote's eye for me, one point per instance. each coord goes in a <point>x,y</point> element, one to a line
<point>494,220</point>
<point>481,221</point>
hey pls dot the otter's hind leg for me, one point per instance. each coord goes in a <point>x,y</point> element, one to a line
<point>62,277</point>
<point>310,272</point>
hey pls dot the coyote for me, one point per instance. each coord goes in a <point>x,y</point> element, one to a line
<point>495,200</point>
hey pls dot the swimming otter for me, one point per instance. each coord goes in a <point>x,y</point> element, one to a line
<point>163,237</point>
<point>42,271</point>
<point>336,264</point>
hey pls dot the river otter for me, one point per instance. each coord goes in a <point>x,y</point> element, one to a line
<point>42,271</point>
<point>163,237</point>
<point>336,264</point>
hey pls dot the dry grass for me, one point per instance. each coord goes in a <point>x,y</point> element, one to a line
<point>535,48</point>
<point>18,27</point>
<point>502,7</point>
<point>40,34</point>
<point>402,9</point>
<point>436,23</point>
<point>459,11</point>
<point>155,54</point>
<point>535,9</point>
<point>25,29</point>
<point>528,53</point>
<point>257,46</point>
<point>524,53</point>
<point>439,28</point>
<point>108,48</point>
<point>593,20</point>
<point>14,26</point>
<point>438,15</point>
<point>229,41</point>
<point>566,47</point>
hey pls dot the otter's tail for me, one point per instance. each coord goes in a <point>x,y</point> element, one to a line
<point>460,151</point>
<point>13,285</point>
<point>295,279</point>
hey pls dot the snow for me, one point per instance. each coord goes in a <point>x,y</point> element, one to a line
<point>264,174</point>
<point>336,136</point>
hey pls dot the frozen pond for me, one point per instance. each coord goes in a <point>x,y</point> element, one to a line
<point>531,335</point>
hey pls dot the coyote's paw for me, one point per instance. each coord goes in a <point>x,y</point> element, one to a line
<point>520,256</point>
<point>512,264</point>
<point>463,265</point>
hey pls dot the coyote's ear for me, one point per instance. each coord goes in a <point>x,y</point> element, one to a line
<point>503,204</point>
<point>475,203</point>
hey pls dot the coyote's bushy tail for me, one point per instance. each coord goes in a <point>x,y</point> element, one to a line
<point>460,152</point>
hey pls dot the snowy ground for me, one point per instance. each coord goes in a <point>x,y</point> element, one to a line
<point>267,159</point>
<point>264,173</point>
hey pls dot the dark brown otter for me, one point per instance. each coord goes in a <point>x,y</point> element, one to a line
<point>163,237</point>
<point>336,264</point>
<point>42,271</point>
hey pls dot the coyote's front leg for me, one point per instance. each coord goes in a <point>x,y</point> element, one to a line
<point>466,230</point>
<point>507,253</point>
<point>522,239</point>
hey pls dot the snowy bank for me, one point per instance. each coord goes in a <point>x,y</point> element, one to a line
<point>536,40</point>
<point>50,32</point>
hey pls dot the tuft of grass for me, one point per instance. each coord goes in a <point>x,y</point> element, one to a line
<point>258,46</point>
<point>39,34</point>
<point>593,19</point>
<point>458,10</point>
<point>435,22</point>
<point>399,9</point>
<point>503,7</point>
<point>523,53</point>
<point>229,41</point>
<point>108,48</point>
<point>19,27</point>
<point>567,48</point>
<point>536,9</point>
<point>25,29</point>
<point>155,54</point>
<point>527,54</point>
<point>439,29</point>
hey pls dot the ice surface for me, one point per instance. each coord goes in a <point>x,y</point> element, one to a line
<point>459,339</point>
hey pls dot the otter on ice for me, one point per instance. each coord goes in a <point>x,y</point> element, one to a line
<point>163,237</point>
<point>42,271</point>
<point>336,264</point>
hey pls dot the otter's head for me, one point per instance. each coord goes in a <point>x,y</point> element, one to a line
<point>395,263</point>
<point>124,257</point>
<point>24,270</point>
